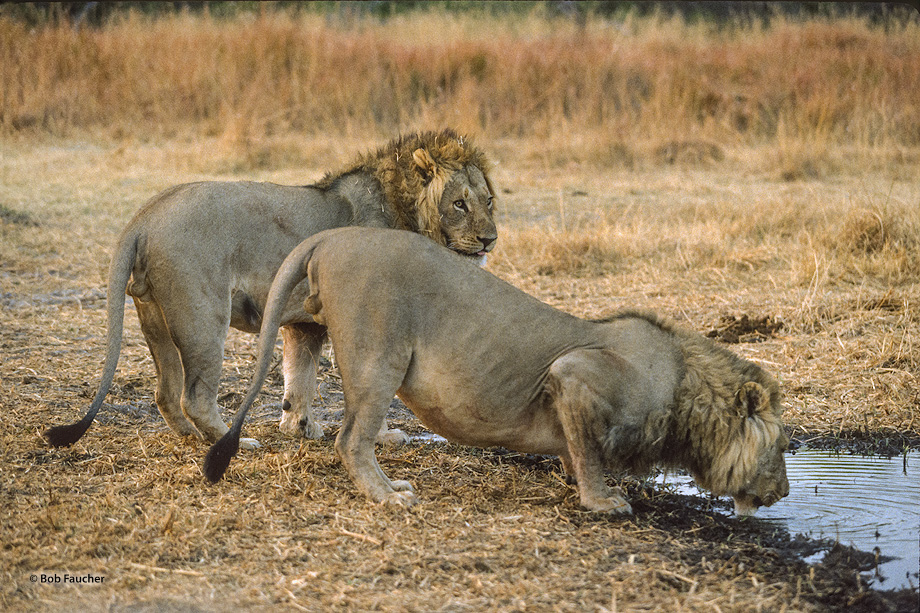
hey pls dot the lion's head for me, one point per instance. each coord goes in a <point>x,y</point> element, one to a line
<point>725,425</point>
<point>752,468</point>
<point>438,185</point>
<point>731,419</point>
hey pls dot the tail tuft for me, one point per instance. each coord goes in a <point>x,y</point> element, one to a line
<point>65,436</point>
<point>220,454</point>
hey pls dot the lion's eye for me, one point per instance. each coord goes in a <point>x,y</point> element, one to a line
<point>489,204</point>
<point>460,205</point>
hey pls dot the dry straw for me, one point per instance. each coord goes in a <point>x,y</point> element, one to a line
<point>701,174</point>
<point>634,78</point>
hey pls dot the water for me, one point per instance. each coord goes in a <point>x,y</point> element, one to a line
<point>869,503</point>
<point>863,502</point>
<point>428,437</point>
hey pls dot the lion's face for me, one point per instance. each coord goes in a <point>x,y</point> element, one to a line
<point>465,210</point>
<point>455,203</point>
<point>769,483</point>
<point>744,445</point>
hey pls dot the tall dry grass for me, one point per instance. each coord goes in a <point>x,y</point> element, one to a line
<point>640,79</point>
<point>679,222</point>
<point>802,99</point>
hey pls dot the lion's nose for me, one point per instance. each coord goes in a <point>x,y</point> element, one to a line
<point>488,242</point>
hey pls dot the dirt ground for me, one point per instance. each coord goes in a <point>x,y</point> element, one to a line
<point>124,520</point>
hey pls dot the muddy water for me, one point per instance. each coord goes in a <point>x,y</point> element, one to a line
<point>869,503</point>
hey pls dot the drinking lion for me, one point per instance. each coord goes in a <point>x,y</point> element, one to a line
<point>485,364</point>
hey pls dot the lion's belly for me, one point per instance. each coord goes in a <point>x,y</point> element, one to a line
<point>529,429</point>
<point>462,385</point>
<point>247,304</point>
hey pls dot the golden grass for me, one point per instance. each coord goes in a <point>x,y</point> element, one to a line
<point>620,81</point>
<point>288,529</point>
<point>802,230</point>
<point>807,220</point>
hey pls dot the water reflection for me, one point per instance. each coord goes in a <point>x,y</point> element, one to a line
<point>864,502</point>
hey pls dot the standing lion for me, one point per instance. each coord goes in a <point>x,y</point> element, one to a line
<point>199,258</point>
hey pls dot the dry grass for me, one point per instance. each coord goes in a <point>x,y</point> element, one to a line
<point>812,223</point>
<point>624,82</point>
<point>493,531</point>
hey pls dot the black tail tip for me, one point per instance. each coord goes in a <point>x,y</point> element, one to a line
<point>65,436</point>
<point>219,456</point>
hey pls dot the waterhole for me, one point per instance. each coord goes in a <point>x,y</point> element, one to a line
<point>869,503</point>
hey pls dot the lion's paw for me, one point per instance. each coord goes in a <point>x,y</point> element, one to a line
<point>303,426</point>
<point>400,499</point>
<point>744,510</point>
<point>620,508</point>
<point>311,429</point>
<point>249,443</point>
<point>392,437</point>
<point>613,505</point>
<point>402,486</point>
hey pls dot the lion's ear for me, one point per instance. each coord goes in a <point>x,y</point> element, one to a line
<point>751,399</point>
<point>425,164</point>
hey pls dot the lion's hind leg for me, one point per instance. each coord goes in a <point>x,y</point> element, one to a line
<point>200,341</point>
<point>355,447</point>
<point>303,344</point>
<point>168,365</point>
<point>577,384</point>
<point>367,398</point>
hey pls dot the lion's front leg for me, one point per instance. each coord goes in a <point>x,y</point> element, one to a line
<point>303,344</point>
<point>593,492</point>
<point>584,413</point>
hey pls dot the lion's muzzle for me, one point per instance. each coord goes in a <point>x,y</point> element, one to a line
<point>488,243</point>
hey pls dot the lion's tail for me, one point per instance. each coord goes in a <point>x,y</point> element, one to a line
<point>293,270</point>
<point>119,273</point>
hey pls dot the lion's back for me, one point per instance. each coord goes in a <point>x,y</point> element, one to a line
<point>435,299</point>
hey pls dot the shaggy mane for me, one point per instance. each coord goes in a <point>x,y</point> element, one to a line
<point>718,443</point>
<point>412,196</point>
<point>703,430</point>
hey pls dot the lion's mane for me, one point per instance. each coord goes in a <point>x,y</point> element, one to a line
<point>704,429</point>
<point>413,182</point>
